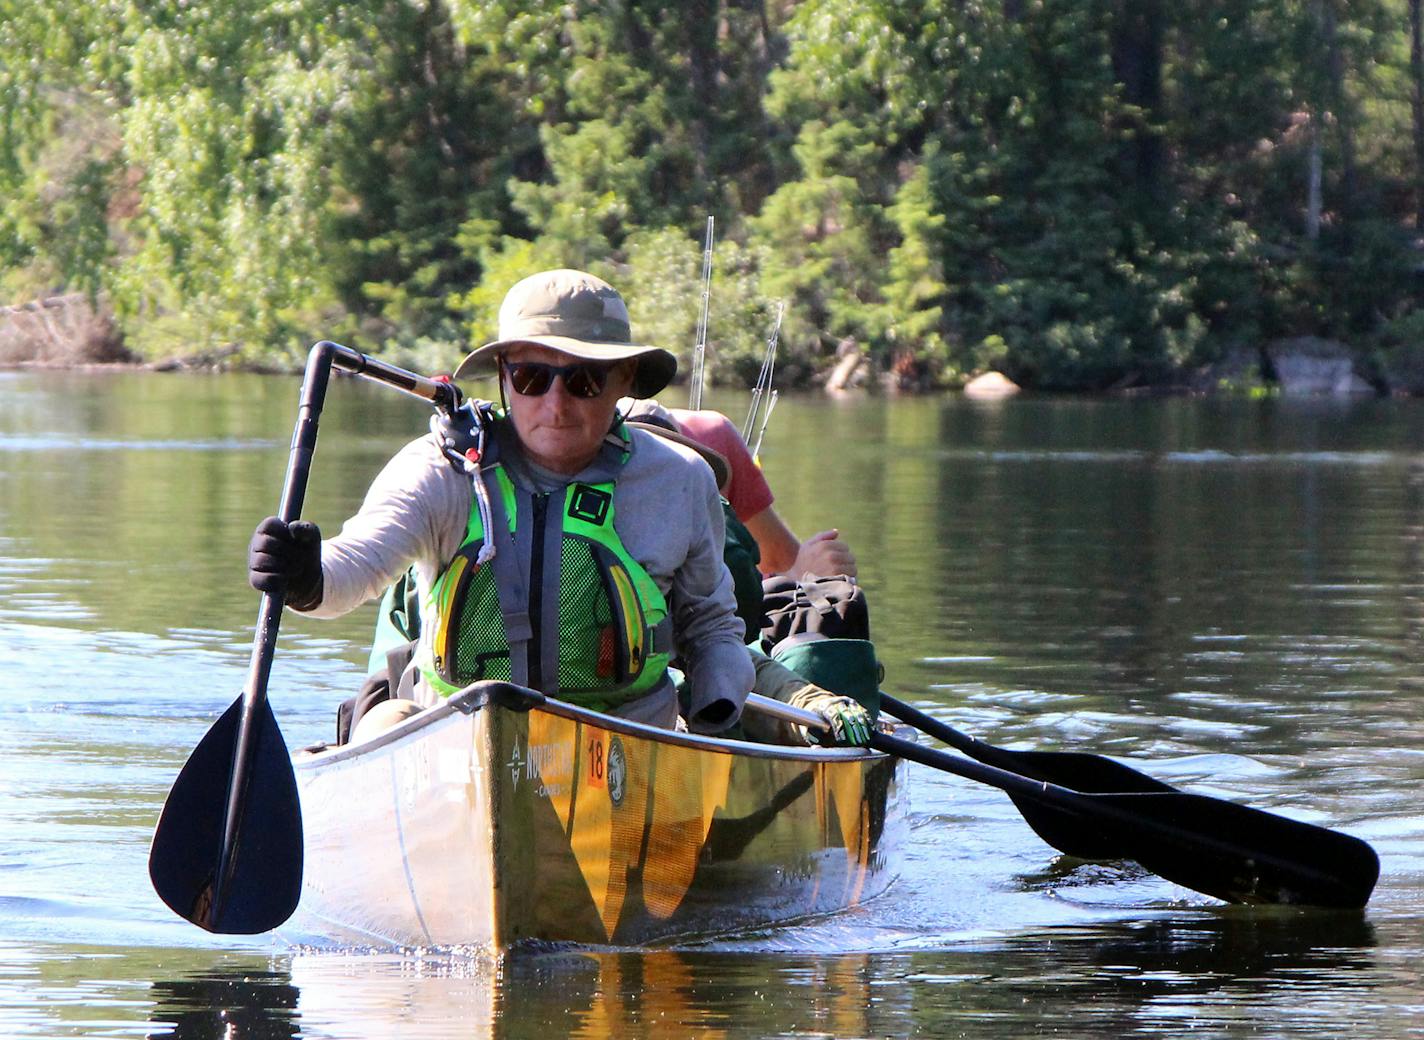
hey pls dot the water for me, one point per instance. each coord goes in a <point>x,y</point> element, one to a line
<point>1227,593</point>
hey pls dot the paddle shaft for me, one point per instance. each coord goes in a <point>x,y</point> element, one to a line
<point>1011,783</point>
<point>931,725</point>
<point>1081,771</point>
<point>440,392</point>
<point>320,361</point>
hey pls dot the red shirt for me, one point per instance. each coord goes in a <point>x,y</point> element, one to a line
<point>747,491</point>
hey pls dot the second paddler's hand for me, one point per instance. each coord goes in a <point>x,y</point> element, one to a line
<point>848,721</point>
<point>822,555</point>
<point>285,557</point>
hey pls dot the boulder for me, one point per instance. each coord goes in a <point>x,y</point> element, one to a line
<point>1310,366</point>
<point>990,385</point>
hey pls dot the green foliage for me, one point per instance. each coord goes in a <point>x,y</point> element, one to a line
<point>58,146</point>
<point>663,282</point>
<point>823,238</point>
<point>1399,352</point>
<point>504,264</point>
<point>228,119</point>
<point>1083,194</point>
<point>420,158</point>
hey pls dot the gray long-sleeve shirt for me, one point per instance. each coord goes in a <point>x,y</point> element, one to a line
<point>666,512</point>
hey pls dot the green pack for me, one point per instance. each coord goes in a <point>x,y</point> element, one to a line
<point>844,666</point>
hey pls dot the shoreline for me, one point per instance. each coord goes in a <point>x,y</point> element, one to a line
<point>1299,373</point>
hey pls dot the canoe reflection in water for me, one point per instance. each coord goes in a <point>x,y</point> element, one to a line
<point>626,994</point>
<point>630,994</point>
<point>1237,967</point>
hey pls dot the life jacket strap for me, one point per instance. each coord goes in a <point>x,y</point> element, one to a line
<point>660,638</point>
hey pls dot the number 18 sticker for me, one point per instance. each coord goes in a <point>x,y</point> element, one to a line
<point>596,755</point>
<point>607,764</point>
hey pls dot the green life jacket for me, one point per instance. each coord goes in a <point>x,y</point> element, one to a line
<point>562,608</point>
<point>398,619</point>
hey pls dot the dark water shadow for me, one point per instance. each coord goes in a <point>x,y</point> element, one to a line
<point>1236,969</point>
<point>225,1004</point>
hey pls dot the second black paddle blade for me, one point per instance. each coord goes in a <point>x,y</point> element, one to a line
<point>1241,854</point>
<point>1070,834</point>
<point>265,875</point>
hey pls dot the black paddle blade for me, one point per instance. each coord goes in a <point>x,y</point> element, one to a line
<point>1079,771</point>
<point>1237,853</point>
<point>1070,834</point>
<point>1226,850</point>
<point>265,869</point>
<point>1075,770</point>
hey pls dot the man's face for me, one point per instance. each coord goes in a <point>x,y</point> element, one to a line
<point>559,430</point>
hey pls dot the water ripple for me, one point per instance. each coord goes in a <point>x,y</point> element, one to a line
<point>70,442</point>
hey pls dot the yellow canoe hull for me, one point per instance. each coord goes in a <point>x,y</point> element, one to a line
<point>482,825</point>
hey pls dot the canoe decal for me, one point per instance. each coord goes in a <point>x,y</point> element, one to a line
<point>545,766</point>
<point>617,772</point>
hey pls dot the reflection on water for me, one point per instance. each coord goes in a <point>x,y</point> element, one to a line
<point>1231,970</point>
<point>1228,594</point>
<point>261,1005</point>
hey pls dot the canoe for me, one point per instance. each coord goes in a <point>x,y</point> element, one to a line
<point>486,822</point>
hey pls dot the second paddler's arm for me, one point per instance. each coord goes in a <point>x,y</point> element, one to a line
<point>848,721</point>
<point>779,683</point>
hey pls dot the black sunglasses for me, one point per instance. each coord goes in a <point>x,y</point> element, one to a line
<point>533,378</point>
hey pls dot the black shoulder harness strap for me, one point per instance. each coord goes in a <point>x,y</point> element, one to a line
<point>463,433</point>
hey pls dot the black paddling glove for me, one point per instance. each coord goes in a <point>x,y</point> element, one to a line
<point>285,557</point>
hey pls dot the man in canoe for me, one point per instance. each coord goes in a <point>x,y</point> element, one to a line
<point>606,555</point>
<point>398,624</point>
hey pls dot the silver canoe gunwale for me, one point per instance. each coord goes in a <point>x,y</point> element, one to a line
<point>482,694</point>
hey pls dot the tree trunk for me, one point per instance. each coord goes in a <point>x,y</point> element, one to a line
<point>1338,104</point>
<point>1312,188</point>
<point>703,23</point>
<point>1416,99</point>
<point>1137,64</point>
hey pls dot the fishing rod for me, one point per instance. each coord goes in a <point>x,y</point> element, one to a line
<point>766,418</point>
<point>763,380</point>
<point>699,352</point>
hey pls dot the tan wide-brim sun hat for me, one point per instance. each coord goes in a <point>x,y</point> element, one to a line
<point>580,315</point>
